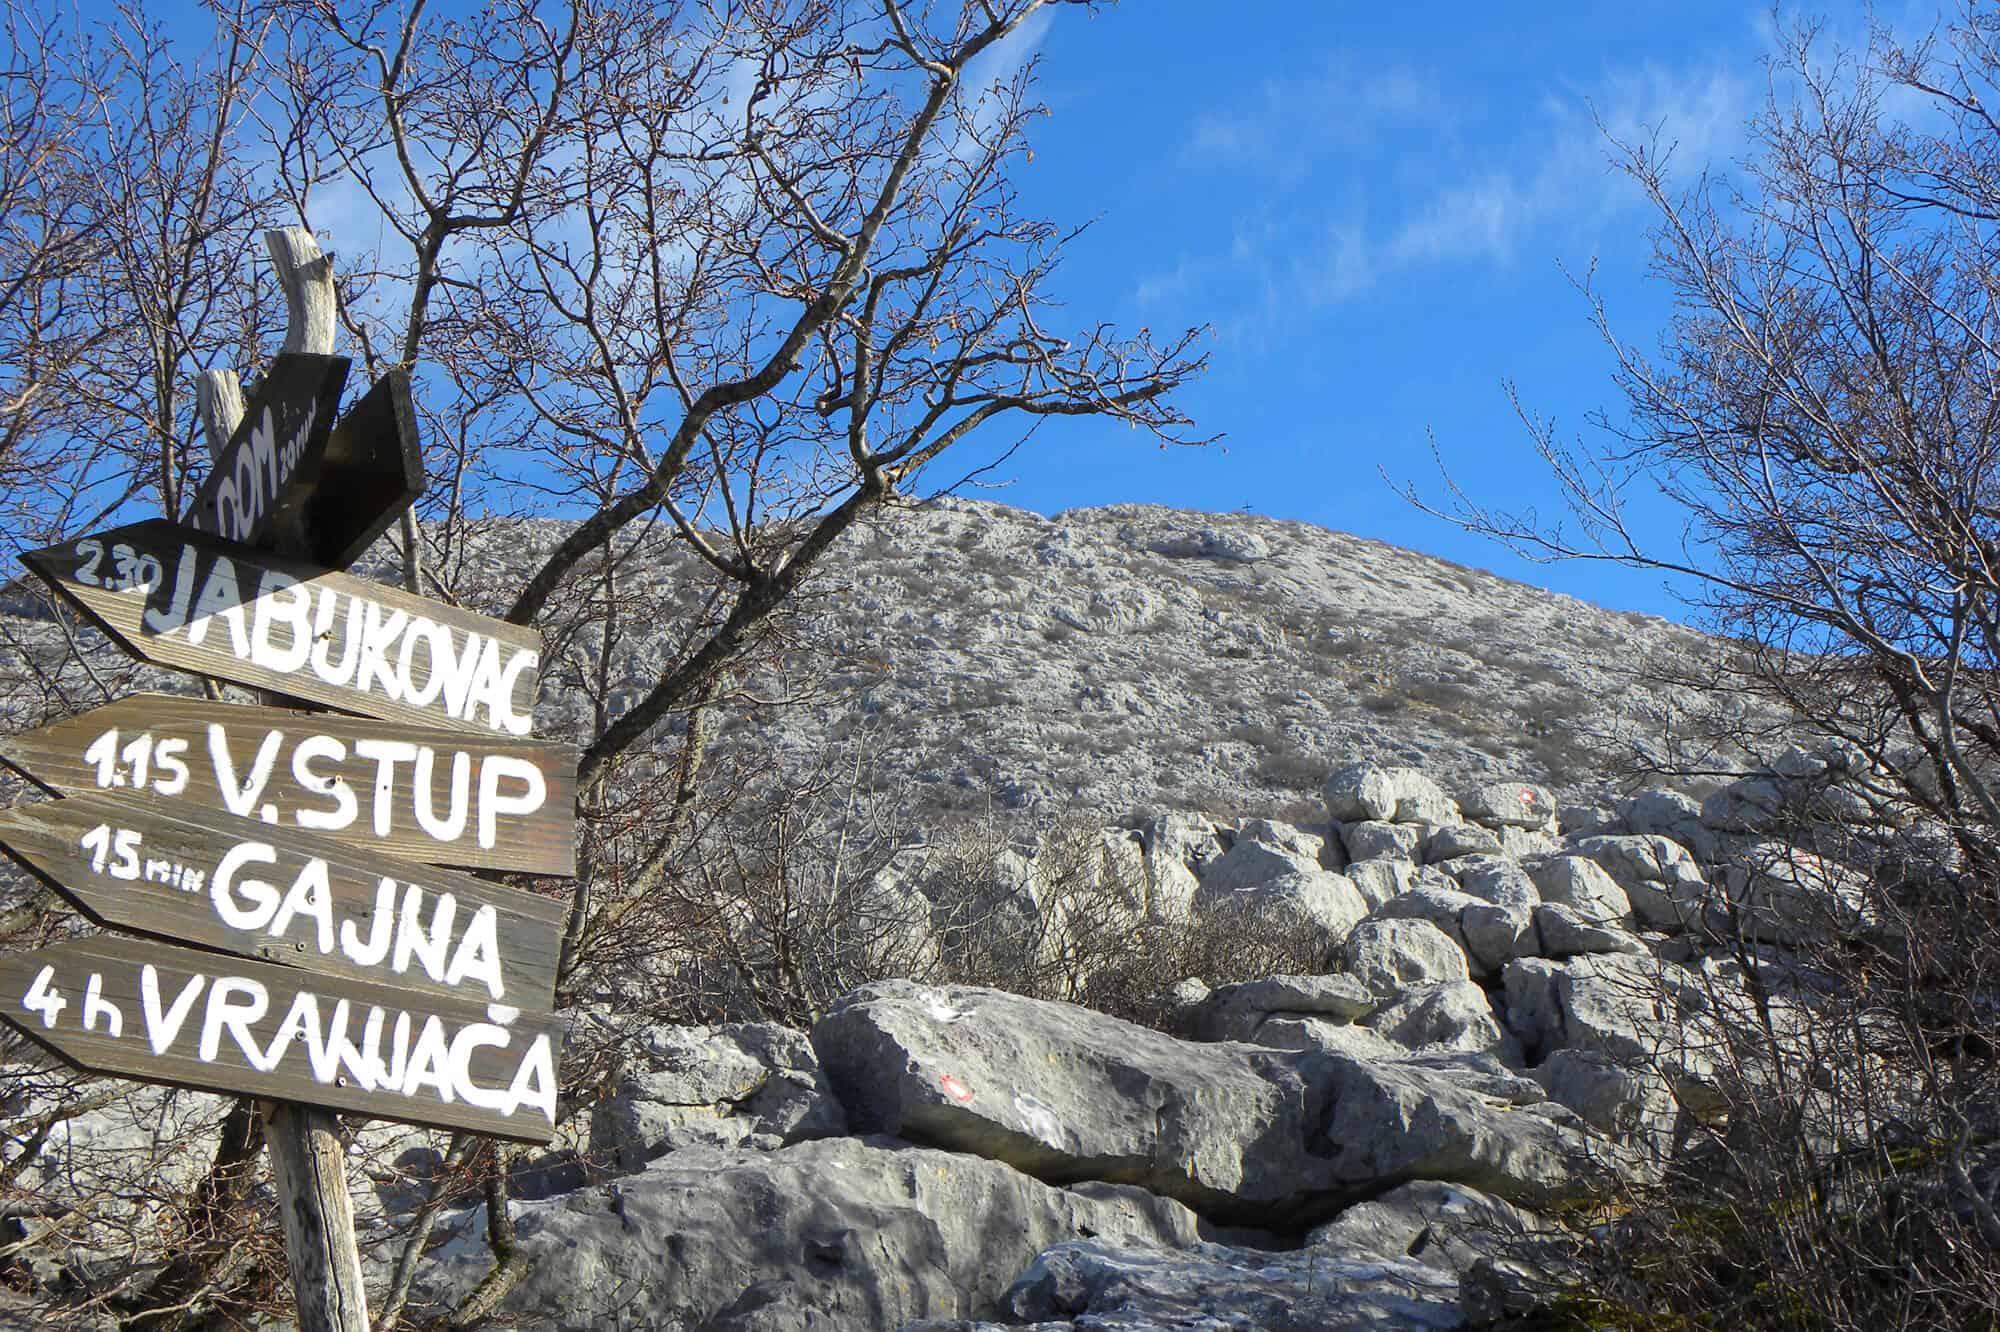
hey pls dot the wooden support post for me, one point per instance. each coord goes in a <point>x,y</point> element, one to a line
<point>309,1167</point>
<point>308,1162</point>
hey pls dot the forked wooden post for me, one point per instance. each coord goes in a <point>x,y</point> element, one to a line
<point>308,1162</point>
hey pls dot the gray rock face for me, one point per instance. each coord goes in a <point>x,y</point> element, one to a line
<point>1264,851</point>
<point>1066,1095</point>
<point>1585,886</point>
<point>1659,876</point>
<point>1235,1012</point>
<point>840,1233</point>
<point>1377,839</point>
<point>1239,1132</point>
<point>1446,1226</point>
<point>1510,805</point>
<point>741,1085</point>
<point>1389,954</point>
<point>1449,1018</point>
<point>1612,1098</point>
<point>1107,1287</point>
<point>1460,839</point>
<point>1359,793</point>
<point>1379,880</point>
<point>1564,932</point>
<point>1496,879</point>
<point>1317,898</point>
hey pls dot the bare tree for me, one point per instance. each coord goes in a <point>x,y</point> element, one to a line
<point>1824,410</point>
<point>709,284</point>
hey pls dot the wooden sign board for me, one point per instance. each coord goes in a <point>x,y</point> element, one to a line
<point>254,488</point>
<point>419,793</point>
<point>167,869</point>
<point>346,495</point>
<point>196,603</point>
<point>146,1010</point>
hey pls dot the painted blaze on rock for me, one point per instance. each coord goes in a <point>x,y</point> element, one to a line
<point>150,1011</point>
<point>198,603</point>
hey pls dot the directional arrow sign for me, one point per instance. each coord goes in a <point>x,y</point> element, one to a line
<point>258,477</point>
<point>178,598</point>
<point>168,869</point>
<point>162,1014</point>
<point>372,470</point>
<point>442,797</point>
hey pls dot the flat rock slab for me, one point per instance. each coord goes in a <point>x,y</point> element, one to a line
<point>1244,1134</point>
<point>1109,1287</point>
<point>839,1234</point>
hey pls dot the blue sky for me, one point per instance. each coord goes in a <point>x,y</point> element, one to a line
<point>1373,206</point>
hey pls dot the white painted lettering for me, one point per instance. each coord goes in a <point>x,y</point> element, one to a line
<point>260,899</point>
<point>281,601</point>
<point>241,797</point>
<point>161,1028</point>
<point>311,895</point>
<point>234,1002</point>
<point>386,754</point>
<point>494,769</point>
<point>345,807</point>
<point>478,955</point>
<point>379,930</point>
<point>451,827</point>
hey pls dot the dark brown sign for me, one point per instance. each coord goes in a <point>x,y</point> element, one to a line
<point>162,1014</point>
<point>437,796</point>
<point>346,495</point>
<point>260,476</point>
<point>167,869</point>
<point>197,603</point>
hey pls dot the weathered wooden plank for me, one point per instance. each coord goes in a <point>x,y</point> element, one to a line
<point>420,793</point>
<point>196,603</point>
<point>254,489</point>
<point>168,869</point>
<point>150,1011</point>
<point>372,470</point>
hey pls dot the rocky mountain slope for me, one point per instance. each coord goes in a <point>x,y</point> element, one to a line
<point>1141,658</point>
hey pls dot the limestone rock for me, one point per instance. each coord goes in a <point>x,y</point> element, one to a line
<point>1580,883</point>
<point>1110,1287</point>
<point>1360,792</point>
<point>1245,1134</point>
<point>1659,876</point>
<point>742,1084</point>
<point>1564,932</point>
<point>1264,850</point>
<point>1451,1017</point>
<point>1235,1012</point>
<point>1388,954</point>
<point>1377,839</point>
<point>837,1233</point>
<point>1379,880</point>
<point>1459,839</point>
<point>1510,805</point>
<point>1317,898</point>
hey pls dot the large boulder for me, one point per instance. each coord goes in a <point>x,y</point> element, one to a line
<point>1316,899</point>
<point>746,1084</point>
<point>1659,876</point>
<point>1580,883</point>
<point>1378,839</point>
<point>1102,1286</point>
<point>1242,1133</point>
<point>1359,792</point>
<point>1174,847</point>
<point>837,1233</point>
<point>1379,880</point>
<point>1264,850</point>
<point>1510,805</point>
<point>1450,1017</point>
<point>1236,1012</point>
<point>1390,953</point>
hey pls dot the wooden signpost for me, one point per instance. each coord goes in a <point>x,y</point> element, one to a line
<point>192,1019</point>
<point>423,793</point>
<point>334,967</point>
<point>171,871</point>
<point>198,603</point>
